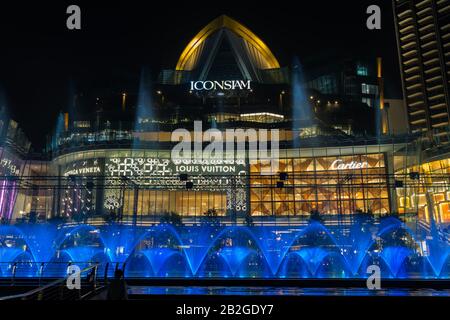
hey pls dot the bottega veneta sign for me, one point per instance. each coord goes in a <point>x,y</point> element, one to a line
<point>221,85</point>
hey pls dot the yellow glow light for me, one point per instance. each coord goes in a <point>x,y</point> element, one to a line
<point>231,24</point>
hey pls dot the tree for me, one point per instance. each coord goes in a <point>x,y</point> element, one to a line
<point>211,217</point>
<point>110,217</point>
<point>171,218</point>
<point>392,215</point>
<point>77,217</point>
<point>249,220</point>
<point>315,216</point>
<point>57,220</point>
<point>32,218</point>
<point>364,218</point>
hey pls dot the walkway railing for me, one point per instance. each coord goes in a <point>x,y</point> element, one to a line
<point>90,280</point>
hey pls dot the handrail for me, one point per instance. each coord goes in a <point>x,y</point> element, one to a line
<point>54,284</point>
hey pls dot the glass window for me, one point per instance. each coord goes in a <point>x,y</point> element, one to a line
<point>369,89</point>
<point>362,70</point>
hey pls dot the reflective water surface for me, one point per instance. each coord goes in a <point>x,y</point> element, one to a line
<point>284,291</point>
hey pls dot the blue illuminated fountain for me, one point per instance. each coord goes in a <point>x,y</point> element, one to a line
<point>158,257</point>
<point>301,109</point>
<point>312,257</point>
<point>199,244</point>
<point>120,241</point>
<point>59,129</point>
<point>394,257</point>
<point>310,251</point>
<point>438,250</point>
<point>144,108</point>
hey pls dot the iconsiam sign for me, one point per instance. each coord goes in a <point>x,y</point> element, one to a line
<point>221,85</point>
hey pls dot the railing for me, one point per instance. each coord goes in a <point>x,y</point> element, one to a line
<point>97,141</point>
<point>48,288</point>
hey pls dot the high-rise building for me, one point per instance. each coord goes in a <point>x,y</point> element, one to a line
<point>422,28</point>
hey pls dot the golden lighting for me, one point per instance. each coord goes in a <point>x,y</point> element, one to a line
<point>124,101</point>
<point>184,62</point>
<point>66,121</point>
<point>318,188</point>
<point>379,68</point>
<point>380,84</point>
<point>433,174</point>
<point>384,125</point>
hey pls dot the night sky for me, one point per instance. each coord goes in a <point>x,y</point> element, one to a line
<point>40,59</point>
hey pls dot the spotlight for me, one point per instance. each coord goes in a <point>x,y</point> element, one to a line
<point>189,185</point>
<point>280,184</point>
<point>183,177</point>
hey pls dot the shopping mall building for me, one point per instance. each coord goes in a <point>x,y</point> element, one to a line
<point>116,159</point>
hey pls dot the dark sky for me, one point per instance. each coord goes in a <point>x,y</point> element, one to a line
<point>40,58</point>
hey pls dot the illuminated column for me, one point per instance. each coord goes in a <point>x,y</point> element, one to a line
<point>383,115</point>
<point>280,100</point>
<point>124,101</point>
<point>66,121</point>
<point>430,207</point>
<point>390,181</point>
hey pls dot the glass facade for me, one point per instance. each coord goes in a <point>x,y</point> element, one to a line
<point>185,203</point>
<point>362,70</point>
<point>10,166</point>
<point>156,187</point>
<point>369,89</point>
<point>333,181</point>
<point>425,186</point>
<point>331,185</point>
<point>327,84</point>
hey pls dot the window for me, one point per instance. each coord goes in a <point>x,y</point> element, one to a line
<point>332,185</point>
<point>326,84</point>
<point>368,101</point>
<point>369,89</point>
<point>362,70</point>
<point>82,124</point>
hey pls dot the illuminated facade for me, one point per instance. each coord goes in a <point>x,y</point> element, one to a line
<point>427,193</point>
<point>232,44</point>
<point>323,184</point>
<point>423,45</point>
<point>100,167</point>
<point>340,180</point>
<point>13,146</point>
<point>341,191</point>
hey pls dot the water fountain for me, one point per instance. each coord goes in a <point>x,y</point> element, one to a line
<point>301,109</point>
<point>59,129</point>
<point>144,108</point>
<point>311,251</point>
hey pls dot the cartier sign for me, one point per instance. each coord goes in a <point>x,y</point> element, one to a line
<point>340,164</point>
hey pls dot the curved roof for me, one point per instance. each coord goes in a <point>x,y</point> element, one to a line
<point>256,49</point>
